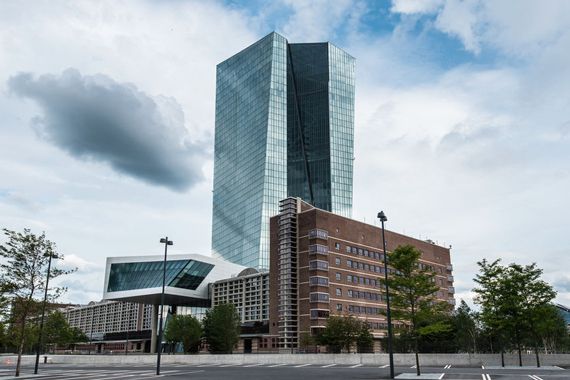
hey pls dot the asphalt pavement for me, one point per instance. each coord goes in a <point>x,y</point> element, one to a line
<point>277,372</point>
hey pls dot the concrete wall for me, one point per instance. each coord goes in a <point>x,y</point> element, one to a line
<point>366,359</point>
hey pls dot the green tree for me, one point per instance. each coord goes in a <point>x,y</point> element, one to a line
<point>550,329</point>
<point>511,299</point>
<point>412,295</point>
<point>305,341</point>
<point>58,332</point>
<point>222,328</point>
<point>465,325</point>
<point>185,329</point>
<point>344,332</point>
<point>23,275</point>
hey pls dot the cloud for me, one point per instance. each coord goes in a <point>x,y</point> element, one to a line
<point>415,6</point>
<point>321,20</point>
<point>97,118</point>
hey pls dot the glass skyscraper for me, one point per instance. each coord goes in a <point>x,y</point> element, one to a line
<point>284,127</point>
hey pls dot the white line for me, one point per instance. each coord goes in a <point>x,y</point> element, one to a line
<point>302,365</point>
<point>384,366</point>
<point>483,367</point>
<point>328,365</point>
<point>276,365</point>
<point>442,375</point>
<point>227,365</point>
<point>253,365</point>
<point>356,366</point>
<point>413,366</point>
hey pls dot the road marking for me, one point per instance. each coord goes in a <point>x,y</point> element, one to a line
<point>276,365</point>
<point>302,365</point>
<point>534,377</point>
<point>441,376</point>
<point>356,366</point>
<point>486,376</point>
<point>384,366</point>
<point>226,365</point>
<point>328,365</point>
<point>252,365</point>
<point>413,366</point>
<point>447,366</point>
<point>483,367</point>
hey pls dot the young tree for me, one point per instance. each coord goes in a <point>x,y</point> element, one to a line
<point>58,332</point>
<point>222,328</point>
<point>23,275</point>
<point>550,329</point>
<point>511,298</point>
<point>185,329</point>
<point>412,292</point>
<point>465,324</point>
<point>342,332</point>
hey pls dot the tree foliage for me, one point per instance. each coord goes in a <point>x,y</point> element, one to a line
<point>345,332</point>
<point>511,299</point>
<point>412,295</point>
<point>23,275</point>
<point>222,328</point>
<point>185,329</point>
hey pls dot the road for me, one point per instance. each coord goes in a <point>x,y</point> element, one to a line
<point>275,372</point>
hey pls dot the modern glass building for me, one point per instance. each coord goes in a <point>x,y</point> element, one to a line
<point>284,127</point>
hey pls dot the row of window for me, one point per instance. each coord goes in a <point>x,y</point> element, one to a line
<point>365,309</point>
<point>360,294</point>
<point>358,280</point>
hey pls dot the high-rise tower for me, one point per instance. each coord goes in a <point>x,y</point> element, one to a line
<point>284,127</point>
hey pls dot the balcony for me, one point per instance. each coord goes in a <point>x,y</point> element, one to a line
<point>449,267</point>
<point>451,301</point>
<point>450,278</point>
<point>451,290</point>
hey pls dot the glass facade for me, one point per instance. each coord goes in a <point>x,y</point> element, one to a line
<point>250,163</point>
<point>284,127</point>
<point>185,274</point>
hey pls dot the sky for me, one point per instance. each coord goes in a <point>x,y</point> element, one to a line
<point>462,123</point>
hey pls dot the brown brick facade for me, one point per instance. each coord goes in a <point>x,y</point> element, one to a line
<point>339,261</point>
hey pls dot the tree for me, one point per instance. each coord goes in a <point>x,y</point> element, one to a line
<point>185,329</point>
<point>550,329</point>
<point>412,292</point>
<point>511,298</point>
<point>222,328</point>
<point>305,341</point>
<point>465,324</point>
<point>23,275</point>
<point>58,332</point>
<point>344,332</point>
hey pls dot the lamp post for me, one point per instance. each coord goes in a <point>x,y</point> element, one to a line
<point>383,219</point>
<point>40,337</point>
<point>166,243</point>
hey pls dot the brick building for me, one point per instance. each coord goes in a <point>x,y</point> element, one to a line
<point>323,264</point>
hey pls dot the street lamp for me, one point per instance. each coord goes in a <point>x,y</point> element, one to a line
<point>383,219</point>
<point>40,337</point>
<point>166,243</point>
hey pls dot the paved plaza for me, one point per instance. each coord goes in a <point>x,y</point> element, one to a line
<point>279,371</point>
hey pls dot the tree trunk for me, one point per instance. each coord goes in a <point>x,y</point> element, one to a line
<point>502,358</point>
<point>21,345</point>
<point>519,347</point>
<point>417,357</point>
<point>537,358</point>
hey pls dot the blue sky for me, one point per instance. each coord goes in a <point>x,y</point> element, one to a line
<point>462,126</point>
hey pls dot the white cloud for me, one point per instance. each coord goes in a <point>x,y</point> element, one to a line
<point>416,6</point>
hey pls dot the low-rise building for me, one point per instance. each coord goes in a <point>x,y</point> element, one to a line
<point>324,264</point>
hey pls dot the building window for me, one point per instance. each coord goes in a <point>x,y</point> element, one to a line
<point>338,291</point>
<point>316,313</point>
<point>337,246</point>
<point>348,278</point>
<point>318,234</point>
<point>317,280</point>
<point>319,264</point>
<point>338,276</point>
<point>337,260</point>
<point>338,307</point>
<point>319,297</point>
<point>318,249</point>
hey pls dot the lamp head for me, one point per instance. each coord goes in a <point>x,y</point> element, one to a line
<point>382,216</point>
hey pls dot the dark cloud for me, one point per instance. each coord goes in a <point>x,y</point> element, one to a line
<point>96,118</point>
